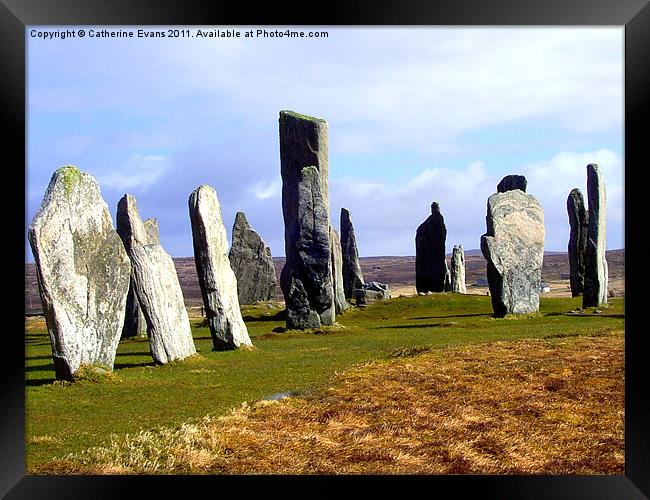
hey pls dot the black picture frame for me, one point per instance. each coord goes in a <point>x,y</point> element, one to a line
<point>15,15</point>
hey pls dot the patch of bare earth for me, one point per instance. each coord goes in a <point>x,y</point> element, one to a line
<point>553,406</point>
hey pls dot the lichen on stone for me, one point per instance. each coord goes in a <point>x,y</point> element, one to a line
<point>300,115</point>
<point>71,176</point>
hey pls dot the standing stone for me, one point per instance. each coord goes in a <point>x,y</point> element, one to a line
<point>596,278</point>
<point>514,249</point>
<point>83,272</point>
<point>306,279</point>
<point>156,286</point>
<point>447,287</point>
<point>352,275</point>
<point>510,182</point>
<point>337,272</point>
<point>458,270</point>
<point>579,223</point>
<point>135,323</point>
<point>430,264</point>
<point>216,277</point>
<point>251,261</point>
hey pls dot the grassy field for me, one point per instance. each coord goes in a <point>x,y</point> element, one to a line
<point>139,397</point>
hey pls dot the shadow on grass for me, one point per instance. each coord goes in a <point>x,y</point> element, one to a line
<point>37,382</point>
<point>38,357</point>
<point>279,316</point>
<point>454,316</point>
<point>426,325</point>
<point>39,368</point>
<point>118,366</point>
<point>37,339</point>
<point>140,353</point>
<point>586,315</point>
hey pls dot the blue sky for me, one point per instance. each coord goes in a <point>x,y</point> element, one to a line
<point>415,114</point>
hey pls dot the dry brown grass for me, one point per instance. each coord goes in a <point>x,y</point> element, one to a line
<point>553,406</point>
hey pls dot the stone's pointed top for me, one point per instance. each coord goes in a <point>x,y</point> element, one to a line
<point>512,182</point>
<point>345,219</point>
<point>68,168</point>
<point>71,176</point>
<point>241,220</point>
<point>128,199</point>
<point>203,187</point>
<point>435,208</point>
<point>205,192</point>
<point>286,113</point>
<point>129,223</point>
<point>593,166</point>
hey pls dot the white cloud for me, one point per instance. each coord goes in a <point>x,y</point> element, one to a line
<point>551,181</point>
<point>263,190</point>
<point>386,216</point>
<point>380,89</point>
<point>138,172</point>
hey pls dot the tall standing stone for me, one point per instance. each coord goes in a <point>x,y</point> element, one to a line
<point>83,272</point>
<point>510,182</point>
<point>306,279</point>
<point>337,272</point>
<point>596,278</point>
<point>579,224</point>
<point>458,270</point>
<point>514,249</point>
<point>352,275</point>
<point>157,289</point>
<point>135,323</point>
<point>251,261</point>
<point>216,277</point>
<point>430,264</point>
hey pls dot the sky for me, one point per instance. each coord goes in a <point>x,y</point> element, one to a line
<point>415,115</point>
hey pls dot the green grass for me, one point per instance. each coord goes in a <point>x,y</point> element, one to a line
<point>64,418</point>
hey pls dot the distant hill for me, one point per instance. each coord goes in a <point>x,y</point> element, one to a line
<point>396,270</point>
